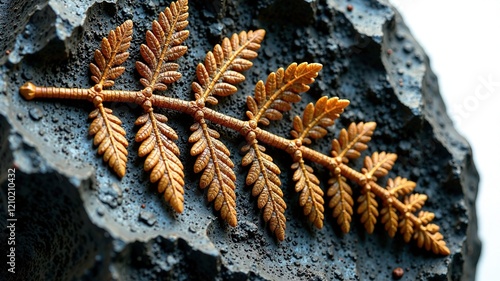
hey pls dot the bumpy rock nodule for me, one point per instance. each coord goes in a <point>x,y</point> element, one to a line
<point>73,212</point>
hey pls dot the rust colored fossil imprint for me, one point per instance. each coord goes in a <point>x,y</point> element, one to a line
<point>216,77</point>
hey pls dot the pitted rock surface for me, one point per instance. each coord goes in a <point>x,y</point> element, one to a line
<point>78,221</point>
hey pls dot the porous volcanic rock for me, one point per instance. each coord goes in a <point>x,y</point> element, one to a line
<point>77,221</point>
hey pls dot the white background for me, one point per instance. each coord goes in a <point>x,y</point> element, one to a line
<point>462,39</point>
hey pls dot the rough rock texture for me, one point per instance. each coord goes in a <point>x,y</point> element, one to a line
<point>78,221</point>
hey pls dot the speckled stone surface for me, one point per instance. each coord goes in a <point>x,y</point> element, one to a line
<point>78,221</point>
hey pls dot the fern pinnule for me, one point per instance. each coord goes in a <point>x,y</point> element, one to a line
<point>112,54</point>
<point>389,218</point>
<point>282,88</point>
<point>400,186</point>
<point>428,236</point>
<point>164,46</point>
<point>162,159</point>
<point>264,176</point>
<point>412,203</point>
<point>218,175</point>
<point>222,68</point>
<point>341,201</point>
<point>351,142</point>
<point>106,128</point>
<point>406,226</point>
<point>218,75</point>
<point>109,136</point>
<point>368,208</point>
<point>376,166</point>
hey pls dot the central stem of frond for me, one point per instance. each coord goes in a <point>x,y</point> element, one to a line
<point>146,99</point>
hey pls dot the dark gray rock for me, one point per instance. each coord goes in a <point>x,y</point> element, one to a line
<point>78,221</point>
<point>147,217</point>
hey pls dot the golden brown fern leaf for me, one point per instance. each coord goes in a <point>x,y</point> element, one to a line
<point>426,233</point>
<point>352,142</point>
<point>311,195</point>
<point>316,118</point>
<point>282,88</point>
<point>109,134</point>
<point>264,176</point>
<point>110,138</point>
<point>378,165</point>
<point>428,236</point>
<point>113,53</point>
<point>389,217</point>
<point>217,77</point>
<point>412,203</point>
<point>406,226</point>
<point>163,46</point>
<point>222,67</point>
<point>162,160</point>
<point>213,159</point>
<point>341,201</point>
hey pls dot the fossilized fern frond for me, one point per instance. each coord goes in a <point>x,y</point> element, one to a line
<point>282,88</point>
<point>218,76</point>
<point>313,124</point>
<point>164,46</point>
